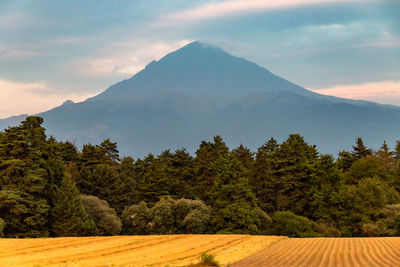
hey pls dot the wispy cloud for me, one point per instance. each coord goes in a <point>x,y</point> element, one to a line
<point>126,57</point>
<point>236,7</point>
<point>31,98</point>
<point>387,92</point>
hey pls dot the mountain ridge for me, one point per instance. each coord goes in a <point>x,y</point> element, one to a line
<point>200,91</point>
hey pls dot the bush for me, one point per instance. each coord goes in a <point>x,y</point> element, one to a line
<point>167,216</point>
<point>265,221</point>
<point>137,219</point>
<point>105,218</point>
<point>326,230</point>
<point>292,225</point>
<point>208,260</point>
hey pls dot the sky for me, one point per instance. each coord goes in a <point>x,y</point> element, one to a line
<point>51,51</point>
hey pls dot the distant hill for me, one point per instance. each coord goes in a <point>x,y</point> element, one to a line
<point>200,91</point>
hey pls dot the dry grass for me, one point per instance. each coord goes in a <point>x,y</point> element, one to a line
<point>172,250</point>
<point>328,252</point>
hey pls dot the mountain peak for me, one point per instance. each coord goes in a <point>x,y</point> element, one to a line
<point>197,45</point>
<point>67,102</point>
<point>200,70</point>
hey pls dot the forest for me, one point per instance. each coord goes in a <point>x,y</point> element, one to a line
<point>48,189</point>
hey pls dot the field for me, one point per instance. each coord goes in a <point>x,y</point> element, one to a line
<point>129,250</point>
<point>328,252</point>
<point>180,250</point>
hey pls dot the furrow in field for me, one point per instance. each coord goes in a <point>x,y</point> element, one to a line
<point>214,248</point>
<point>50,246</point>
<point>290,252</point>
<point>311,250</point>
<point>377,252</point>
<point>282,252</point>
<point>335,254</point>
<point>355,252</point>
<point>367,256</point>
<point>389,250</point>
<point>325,252</point>
<point>95,252</point>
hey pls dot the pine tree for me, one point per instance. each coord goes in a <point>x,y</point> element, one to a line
<point>360,150</point>
<point>69,217</point>
<point>234,204</point>
<point>292,167</point>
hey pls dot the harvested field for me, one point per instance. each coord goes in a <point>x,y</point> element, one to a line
<point>176,250</point>
<point>328,252</point>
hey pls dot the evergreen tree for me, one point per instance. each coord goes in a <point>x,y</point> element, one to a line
<point>360,150</point>
<point>328,202</point>
<point>206,166</point>
<point>345,160</point>
<point>261,176</point>
<point>245,156</point>
<point>234,204</point>
<point>293,166</point>
<point>69,217</point>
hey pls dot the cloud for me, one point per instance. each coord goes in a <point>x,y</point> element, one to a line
<point>126,57</point>
<point>238,7</point>
<point>385,92</point>
<point>31,98</point>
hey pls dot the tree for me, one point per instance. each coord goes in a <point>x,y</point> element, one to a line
<point>345,160</point>
<point>245,156</point>
<point>69,217</point>
<point>292,166</point>
<point>24,215</point>
<point>105,218</point>
<point>397,151</point>
<point>206,166</point>
<point>261,176</point>
<point>385,157</point>
<point>167,216</point>
<point>191,216</point>
<point>234,204</point>
<point>137,219</point>
<point>360,150</point>
<point>327,196</point>
<point>2,224</point>
<point>30,167</point>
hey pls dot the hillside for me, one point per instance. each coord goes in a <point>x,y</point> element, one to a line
<point>200,91</point>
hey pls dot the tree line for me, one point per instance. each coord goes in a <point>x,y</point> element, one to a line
<point>49,188</point>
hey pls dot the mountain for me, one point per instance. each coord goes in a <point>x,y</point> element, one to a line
<point>200,91</point>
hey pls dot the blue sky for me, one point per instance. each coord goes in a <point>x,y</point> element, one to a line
<point>51,51</point>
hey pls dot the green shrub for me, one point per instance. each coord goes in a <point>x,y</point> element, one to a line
<point>105,218</point>
<point>292,225</point>
<point>167,216</point>
<point>208,260</point>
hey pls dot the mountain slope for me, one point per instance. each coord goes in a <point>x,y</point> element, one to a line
<point>200,91</point>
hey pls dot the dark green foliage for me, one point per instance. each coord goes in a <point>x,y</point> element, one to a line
<point>327,195</point>
<point>292,225</point>
<point>105,218</point>
<point>30,169</point>
<point>356,195</point>
<point>208,260</point>
<point>345,160</point>
<point>167,216</point>
<point>69,217</point>
<point>2,225</point>
<point>24,215</point>
<point>360,150</point>
<point>137,219</point>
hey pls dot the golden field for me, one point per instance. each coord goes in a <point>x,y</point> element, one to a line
<point>172,250</point>
<point>328,252</point>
